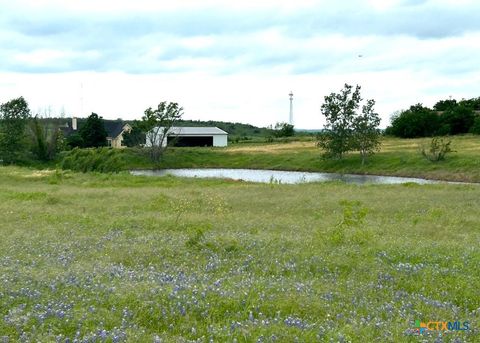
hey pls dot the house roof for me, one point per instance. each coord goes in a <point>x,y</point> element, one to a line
<point>114,128</point>
<point>194,131</point>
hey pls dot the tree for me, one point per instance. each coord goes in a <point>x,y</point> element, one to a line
<point>39,140</point>
<point>135,137</point>
<point>473,103</point>
<point>47,142</point>
<point>475,129</point>
<point>93,132</point>
<point>348,129</point>
<point>458,119</point>
<point>417,121</point>
<point>75,141</point>
<point>444,105</point>
<point>14,116</point>
<point>284,130</point>
<point>366,132</point>
<point>157,123</point>
<point>339,111</point>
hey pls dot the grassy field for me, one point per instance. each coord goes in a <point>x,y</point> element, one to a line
<point>398,157</point>
<point>114,258</point>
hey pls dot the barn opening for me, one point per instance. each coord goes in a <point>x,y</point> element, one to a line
<point>187,141</point>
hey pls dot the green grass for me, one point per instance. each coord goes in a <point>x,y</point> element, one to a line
<point>398,157</point>
<point>180,260</point>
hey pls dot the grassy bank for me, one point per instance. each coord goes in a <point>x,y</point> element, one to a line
<point>399,157</point>
<point>136,259</point>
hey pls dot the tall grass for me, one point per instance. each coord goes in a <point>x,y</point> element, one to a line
<point>100,159</point>
<point>116,258</point>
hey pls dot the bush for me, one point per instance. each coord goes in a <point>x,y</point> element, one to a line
<point>74,141</point>
<point>100,159</point>
<point>437,150</point>
<point>284,130</point>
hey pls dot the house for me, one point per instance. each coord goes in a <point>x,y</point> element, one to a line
<point>115,130</point>
<point>188,136</point>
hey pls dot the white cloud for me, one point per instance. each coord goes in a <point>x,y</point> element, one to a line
<point>236,61</point>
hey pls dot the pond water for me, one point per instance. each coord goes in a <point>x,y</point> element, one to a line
<point>278,176</point>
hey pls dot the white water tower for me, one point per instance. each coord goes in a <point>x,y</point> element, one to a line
<point>291,108</point>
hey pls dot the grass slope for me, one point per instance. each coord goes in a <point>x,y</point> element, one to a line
<point>122,258</point>
<point>399,157</point>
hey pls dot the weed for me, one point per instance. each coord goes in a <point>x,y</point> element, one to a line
<point>437,149</point>
<point>197,238</point>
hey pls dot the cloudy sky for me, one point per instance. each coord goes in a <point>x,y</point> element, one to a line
<point>236,60</point>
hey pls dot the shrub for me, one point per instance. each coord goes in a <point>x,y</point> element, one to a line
<point>284,130</point>
<point>437,150</point>
<point>104,160</point>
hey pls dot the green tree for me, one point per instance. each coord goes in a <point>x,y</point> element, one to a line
<point>475,129</point>
<point>365,131</point>
<point>444,105</point>
<point>346,128</point>
<point>158,123</point>
<point>93,132</point>
<point>46,142</point>
<point>57,143</point>
<point>417,121</point>
<point>473,103</point>
<point>135,137</point>
<point>458,119</point>
<point>74,141</point>
<point>14,116</point>
<point>39,140</point>
<point>284,130</point>
<point>339,110</point>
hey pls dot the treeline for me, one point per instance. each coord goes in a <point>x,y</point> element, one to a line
<point>23,137</point>
<point>27,139</point>
<point>238,132</point>
<point>233,129</point>
<point>447,117</point>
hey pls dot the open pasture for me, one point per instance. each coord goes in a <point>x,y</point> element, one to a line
<point>118,258</point>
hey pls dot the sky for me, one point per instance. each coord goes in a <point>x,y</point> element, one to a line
<point>236,60</point>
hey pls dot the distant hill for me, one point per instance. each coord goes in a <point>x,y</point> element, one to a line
<point>234,129</point>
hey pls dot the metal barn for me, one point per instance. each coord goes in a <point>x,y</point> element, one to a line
<point>189,136</point>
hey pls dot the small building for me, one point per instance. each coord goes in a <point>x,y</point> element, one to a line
<point>188,136</point>
<point>115,131</point>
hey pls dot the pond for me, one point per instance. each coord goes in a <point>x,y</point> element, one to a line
<point>278,176</point>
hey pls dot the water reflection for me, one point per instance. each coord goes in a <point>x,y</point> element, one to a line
<point>277,176</point>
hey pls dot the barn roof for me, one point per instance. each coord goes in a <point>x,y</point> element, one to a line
<point>176,130</point>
